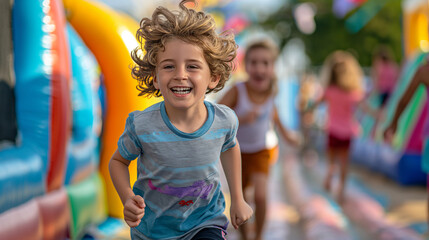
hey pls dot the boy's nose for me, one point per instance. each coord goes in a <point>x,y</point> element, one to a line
<point>260,68</point>
<point>180,74</point>
<point>179,77</point>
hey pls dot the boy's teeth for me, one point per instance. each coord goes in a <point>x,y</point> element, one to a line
<point>181,90</point>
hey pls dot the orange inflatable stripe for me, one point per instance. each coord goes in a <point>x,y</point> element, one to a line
<point>60,97</point>
<point>111,37</point>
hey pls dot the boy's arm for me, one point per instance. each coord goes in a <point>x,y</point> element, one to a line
<point>231,164</point>
<point>118,168</point>
<point>133,204</point>
<point>292,138</point>
<point>319,100</point>
<point>229,98</point>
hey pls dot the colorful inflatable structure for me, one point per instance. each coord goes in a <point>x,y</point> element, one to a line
<point>54,181</point>
<point>401,160</point>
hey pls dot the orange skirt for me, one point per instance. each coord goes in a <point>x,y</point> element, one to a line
<point>258,162</point>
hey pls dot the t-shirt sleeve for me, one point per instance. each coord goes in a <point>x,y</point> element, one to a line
<point>128,144</point>
<point>230,139</point>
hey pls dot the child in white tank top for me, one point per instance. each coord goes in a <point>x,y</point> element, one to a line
<point>253,103</point>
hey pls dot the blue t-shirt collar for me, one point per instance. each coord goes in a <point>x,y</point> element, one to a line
<point>201,131</point>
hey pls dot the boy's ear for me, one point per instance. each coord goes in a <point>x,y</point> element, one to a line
<point>155,82</point>
<point>214,80</point>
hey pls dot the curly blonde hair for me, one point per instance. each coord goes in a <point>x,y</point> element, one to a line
<point>341,69</point>
<point>191,26</point>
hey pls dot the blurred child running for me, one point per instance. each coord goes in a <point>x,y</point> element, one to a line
<point>178,142</point>
<point>309,91</point>
<point>253,102</point>
<point>384,73</point>
<point>343,93</point>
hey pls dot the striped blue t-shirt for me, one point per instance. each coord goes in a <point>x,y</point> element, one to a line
<point>178,175</point>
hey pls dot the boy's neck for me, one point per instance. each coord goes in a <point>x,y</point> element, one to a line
<point>257,97</point>
<point>187,120</point>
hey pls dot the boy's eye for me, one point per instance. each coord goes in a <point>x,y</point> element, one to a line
<point>193,66</point>
<point>168,66</point>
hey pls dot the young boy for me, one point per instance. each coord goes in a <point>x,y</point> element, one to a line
<point>178,142</point>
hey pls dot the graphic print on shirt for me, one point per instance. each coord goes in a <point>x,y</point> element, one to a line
<point>197,189</point>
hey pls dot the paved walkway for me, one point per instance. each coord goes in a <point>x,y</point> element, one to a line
<point>376,207</point>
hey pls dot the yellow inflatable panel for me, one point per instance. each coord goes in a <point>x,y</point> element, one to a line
<point>111,37</point>
<point>415,22</point>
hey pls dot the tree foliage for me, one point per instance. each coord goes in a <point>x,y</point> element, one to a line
<point>331,33</point>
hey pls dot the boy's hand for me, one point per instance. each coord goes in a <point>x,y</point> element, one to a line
<point>250,117</point>
<point>295,139</point>
<point>134,210</point>
<point>240,213</point>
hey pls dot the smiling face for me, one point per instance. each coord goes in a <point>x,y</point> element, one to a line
<point>260,68</point>
<point>183,75</point>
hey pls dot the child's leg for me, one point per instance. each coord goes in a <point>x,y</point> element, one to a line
<point>255,173</point>
<point>331,168</point>
<point>344,163</point>
<point>260,181</point>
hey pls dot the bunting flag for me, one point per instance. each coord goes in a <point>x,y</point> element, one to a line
<point>342,7</point>
<point>364,14</point>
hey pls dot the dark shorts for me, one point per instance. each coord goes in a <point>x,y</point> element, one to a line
<point>210,234</point>
<point>383,98</point>
<point>338,143</point>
